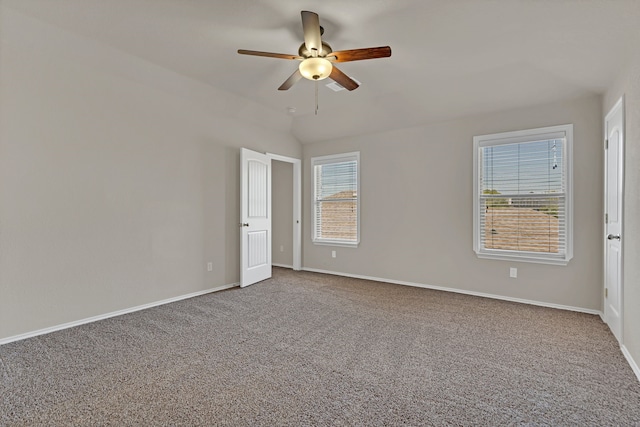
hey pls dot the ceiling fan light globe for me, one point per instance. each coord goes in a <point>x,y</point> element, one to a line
<point>315,68</point>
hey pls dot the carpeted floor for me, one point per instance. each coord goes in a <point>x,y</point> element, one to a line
<point>310,349</point>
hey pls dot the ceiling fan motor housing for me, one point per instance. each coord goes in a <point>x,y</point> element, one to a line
<point>306,53</point>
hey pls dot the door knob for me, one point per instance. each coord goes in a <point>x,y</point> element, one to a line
<point>613,237</point>
<point>244,224</point>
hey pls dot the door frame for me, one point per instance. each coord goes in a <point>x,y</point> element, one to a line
<point>297,207</point>
<point>619,105</point>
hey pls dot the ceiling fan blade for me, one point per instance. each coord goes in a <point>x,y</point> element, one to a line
<point>311,29</point>
<point>293,79</point>
<point>344,80</point>
<point>360,54</point>
<point>268,54</point>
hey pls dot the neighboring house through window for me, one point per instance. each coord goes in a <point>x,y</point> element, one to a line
<point>523,195</point>
<point>336,207</point>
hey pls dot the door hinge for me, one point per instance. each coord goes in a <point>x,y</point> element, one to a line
<point>606,218</point>
<point>606,293</point>
<point>606,144</point>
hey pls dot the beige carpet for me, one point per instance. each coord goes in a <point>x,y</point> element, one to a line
<point>311,349</point>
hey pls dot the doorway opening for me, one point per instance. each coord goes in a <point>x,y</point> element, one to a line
<point>286,209</point>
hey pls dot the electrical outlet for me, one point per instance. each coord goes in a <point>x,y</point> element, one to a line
<point>209,266</point>
<point>513,272</point>
<point>333,254</point>
<point>281,248</point>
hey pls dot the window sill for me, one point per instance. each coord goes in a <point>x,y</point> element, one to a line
<point>335,243</point>
<point>524,258</point>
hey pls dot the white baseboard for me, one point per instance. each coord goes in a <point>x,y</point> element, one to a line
<point>632,363</point>
<point>112,314</point>
<point>283,266</point>
<point>460,291</point>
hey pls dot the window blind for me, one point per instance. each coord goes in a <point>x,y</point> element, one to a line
<point>523,197</point>
<point>336,199</point>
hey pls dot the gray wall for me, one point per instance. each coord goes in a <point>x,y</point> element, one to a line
<point>416,208</point>
<point>118,179</point>
<point>628,84</point>
<point>282,213</point>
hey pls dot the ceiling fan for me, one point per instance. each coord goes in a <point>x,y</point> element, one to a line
<point>317,57</point>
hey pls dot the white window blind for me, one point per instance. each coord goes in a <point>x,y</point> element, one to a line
<point>522,195</point>
<point>335,201</point>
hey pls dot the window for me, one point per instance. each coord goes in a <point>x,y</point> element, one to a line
<point>523,195</point>
<point>336,207</point>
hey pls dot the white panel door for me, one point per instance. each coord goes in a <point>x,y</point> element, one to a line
<point>613,217</point>
<point>255,217</point>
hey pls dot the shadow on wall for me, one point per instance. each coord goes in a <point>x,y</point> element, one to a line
<point>232,203</point>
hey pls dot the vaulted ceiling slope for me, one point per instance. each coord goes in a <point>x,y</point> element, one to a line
<point>450,58</point>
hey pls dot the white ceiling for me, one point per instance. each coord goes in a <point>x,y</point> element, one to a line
<point>451,58</point>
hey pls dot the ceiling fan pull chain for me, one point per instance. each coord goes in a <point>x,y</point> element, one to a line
<point>316,97</point>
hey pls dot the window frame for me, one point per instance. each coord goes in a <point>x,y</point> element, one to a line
<point>522,136</point>
<point>332,159</point>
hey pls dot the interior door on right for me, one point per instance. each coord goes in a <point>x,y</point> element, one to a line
<point>613,301</point>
